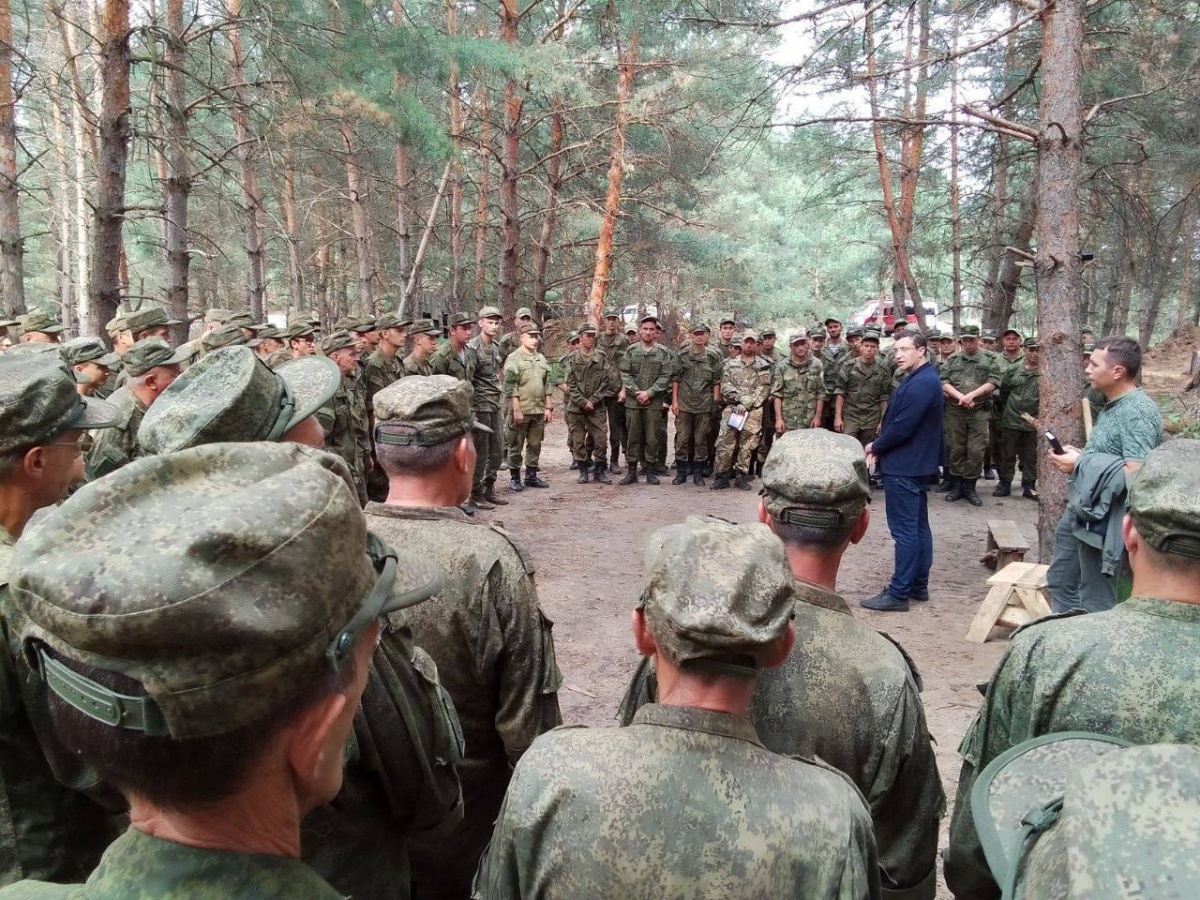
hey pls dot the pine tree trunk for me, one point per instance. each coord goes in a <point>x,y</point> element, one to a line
<point>356,186</point>
<point>256,276</point>
<point>1191,244</point>
<point>178,185</point>
<point>616,173</point>
<point>955,205</point>
<point>510,166</point>
<point>484,198</point>
<point>1002,300</point>
<point>457,265</point>
<point>64,242</point>
<point>912,144</point>
<point>541,252</point>
<point>291,223</point>
<point>12,244</point>
<point>1058,266</point>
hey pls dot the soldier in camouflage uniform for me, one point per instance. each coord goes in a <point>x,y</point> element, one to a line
<point>614,344</point>
<point>423,334</point>
<point>451,358</point>
<point>385,365</point>
<point>91,361</point>
<point>645,379</point>
<point>1010,357</point>
<point>1132,672</point>
<point>53,825</point>
<point>486,365</point>
<point>798,388</point>
<point>527,391</point>
<point>725,347</point>
<point>695,390</point>
<point>1109,821</point>
<point>270,347</point>
<point>775,356</point>
<point>689,803</point>
<point>845,694</point>
<point>746,390</point>
<point>1020,388</point>
<point>511,342</point>
<point>251,562</point>
<point>39,326</point>
<point>150,365</point>
<point>862,391</point>
<point>589,384</point>
<point>345,418</point>
<point>485,629</point>
<point>969,378</point>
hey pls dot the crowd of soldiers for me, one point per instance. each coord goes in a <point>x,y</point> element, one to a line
<point>229,672</point>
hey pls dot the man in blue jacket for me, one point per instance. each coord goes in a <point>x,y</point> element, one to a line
<point>908,447</point>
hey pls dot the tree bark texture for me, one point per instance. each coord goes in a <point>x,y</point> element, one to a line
<point>356,186</point>
<point>510,167</point>
<point>12,243</point>
<point>483,198</point>
<point>178,185</point>
<point>256,275</point>
<point>457,264</point>
<point>292,226</point>
<point>545,243</point>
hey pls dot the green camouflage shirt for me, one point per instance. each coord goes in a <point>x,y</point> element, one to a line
<point>1020,388</point>
<point>344,419</point>
<point>697,375</point>
<point>117,446</point>
<point>446,361</point>
<point>494,651</point>
<point>587,380</point>
<point>486,365</point>
<point>865,389</point>
<point>1130,428</point>
<point>746,384</point>
<point>140,867</point>
<point>684,804</point>
<point>381,371</point>
<point>414,366</point>
<point>645,370</point>
<point>1132,672</point>
<point>800,388</point>
<point>966,373</point>
<point>280,356</point>
<point>527,377</point>
<point>614,347</point>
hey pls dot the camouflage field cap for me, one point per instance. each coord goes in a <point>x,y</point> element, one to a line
<point>241,320</point>
<point>218,314</point>
<point>425,326</point>
<point>148,317</point>
<point>82,350</point>
<point>530,328</point>
<point>225,579</point>
<point>1031,343</point>
<point>524,313</point>
<point>631,329</point>
<point>816,331</point>
<point>701,328</point>
<point>423,410</point>
<point>39,321</point>
<point>228,335</point>
<point>988,335</point>
<point>648,318</point>
<point>572,337</point>
<point>232,395</point>
<point>356,324</point>
<point>300,331</point>
<point>339,340</point>
<point>8,323</point>
<point>728,320</point>
<point>934,334</point>
<point>611,314</point>
<point>768,333</point>
<point>149,353</point>
<point>459,318</point>
<point>115,325</point>
<point>587,328</point>
<point>797,336</point>
<point>489,312</point>
<point>749,335</point>
<point>854,332</point>
<point>948,338</point>
<point>388,320</point>
<point>265,332</point>
<point>1164,498</point>
<point>1011,330</point>
<point>816,478</point>
<point>872,334</point>
<point>38,401</point>
<point>968,331</point>
<point>716,592</point>
<point>900,323</point>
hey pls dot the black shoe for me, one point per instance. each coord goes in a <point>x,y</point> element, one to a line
<point>681,473</point>
<point>574,465</point>
<point>1003,489</point>
<point>721,482</point>
<point>469,508</point>
<point>599,475</point>
<point>532,480</point>
<point>1030,493</point>
<point>884,602</point>
<point>698,477</point>
<point>956,491</point>
<point>989,474</point>
<point>631,475</point>
<point>516,481</point>
<point>583,472</point>
<point>918,598</point>
<point>651,476</point>
<point>944,485</point>
<point>708,470</point>
<point>741,481</point>
<point>490,495</point>
<point>968,492</point>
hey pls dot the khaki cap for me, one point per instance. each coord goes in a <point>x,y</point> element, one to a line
<point>38,401</point>
<point>82,350</point>
<point>227,335</point>
<point>531,328</point>
<point>816,478</point>
<point>148,317</point>
<point>339,340</point>
<point>524,313</point>
<point>424,410</point>
<point>150,353</point>
<point>39,321</point>
<point>489,312</point>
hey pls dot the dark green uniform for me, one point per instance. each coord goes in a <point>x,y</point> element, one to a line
<point>117,446</point>
<point>527,377</point>
<point>485,366</point>
<point>614,347</point>
<point>346,426</point>
<point>414,366</point>
<point>865,391</point>
<point>447,361</point>
<point>380,371</point>
<point>1004,364</point>
<point>800,388</point>
<point>1018,439</point>
<point>588,380</point>
<point>697,374</point>
<point>967,430</point>
<point>650,371</point>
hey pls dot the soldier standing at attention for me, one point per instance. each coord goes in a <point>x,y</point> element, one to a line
<point>836,348</point>
<point>385,364</point>
<point>969,378</point>
<point>746,389</point>
<point>345,418</point>
<point>798,388</point>
<point>527,392</point>
<point>512,341</point>
<point>1132,672</point>
<point>589,384</point>
<point>854,339</point>
<point>775,357</point>
<point>695,390</point>
<point>690,804</point>
<point>451,358</point>
<point>863,388</point>
<point>485,630</point>
<point>614,344</point>
<point>424,334</point>
<point>1006,360</point>
<point>302,340</point>
<point>646,371</point>
<point>725,330</point>
<point>1018,439</point>
<point>486,366</point>
<point>664,411</point>
<point>987,340</point>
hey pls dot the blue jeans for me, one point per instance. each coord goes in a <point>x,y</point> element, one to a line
<point>1074,579</point>
<point>907,505</point>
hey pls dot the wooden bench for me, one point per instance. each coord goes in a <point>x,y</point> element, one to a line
<point>1005,538</point>
<point>1017,597</point>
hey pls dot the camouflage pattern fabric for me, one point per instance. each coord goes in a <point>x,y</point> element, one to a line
<point>447,361</point>
<point>140,867</point>
<point>614,347</point>
<point>1164,500</point>
<point>380,371</point>
<point>1018,446</point>
<point>414,366</point>
<point>800,388</point>
<point>697,374</point>
<point>588,379</point>
<point>1130,428</point>
<point>117,446</point>
<point>38,401</point>
<point>1132,672</point>
<point>486,366</point>
<point>1020,387</point>
<point>689,806</point>
<point>345,422</point>
<point>966,372</point>
<point>495,652</point>
<point>527,377</point>
<point>865,389</point>
<point>645,370</point>
<point>747,385</point>
<point>278,358</point>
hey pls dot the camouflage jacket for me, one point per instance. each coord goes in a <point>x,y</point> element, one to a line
<point>865,390</point>
<point>966,373</point>
<point>833,355</point>
<point>381,371</point>
<point>49,828</point>
<point>850,696</point>
<point>486,366</point>
<point>1020,387</point>
<point>527,377</point>
<point>344,419</point>
<point>800,388</point>
<point>743,384</point>
<point>495,654</point>
<point>117,446</point>
<point>614,347</point>
<point>414,366</point>
<point>445,361</point>
<point>140,867</point>
<point>645,370</point>
<point>587,380</point>
<point>684,804</point>
<point>1132,672</point>
<point>696,376</point>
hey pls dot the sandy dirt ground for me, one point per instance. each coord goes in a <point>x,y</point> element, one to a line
<point>586,542</point>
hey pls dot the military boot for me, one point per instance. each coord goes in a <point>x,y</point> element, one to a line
<point>956,490</point>
<point>698,475</point>
<point>1003,489</point>
<point>721,482</point>
<point>651,474</point>
<point>945,484</point>
<point>968,492</point>
<point>614,467</point>
<point>583,472</point>
<point>481,502</point>
<point>516,481</point>
<point>681,473</point>
<point>741,481</point>
<point>1029,492</point>
<point>630,475</point>
<point>532,480</point>
<point>490,495</point>
<point>469,508</point>
<point>989,473</point>
<point>599,475</point>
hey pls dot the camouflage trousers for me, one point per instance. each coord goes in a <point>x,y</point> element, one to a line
<point>691,436</point>
<point>1018,445</point>
<point>616,426</point>
<point>642,434</point>
<point>526,437</point>
<point>737,447</point>
<point>967,434</point>
<point>489,451</point>
<point>714,428</point>
<point>662,424</point>
<point>586,435</point>
<point>864,434</point>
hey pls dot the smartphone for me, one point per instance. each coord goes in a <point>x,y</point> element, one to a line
<point>1054,443</point>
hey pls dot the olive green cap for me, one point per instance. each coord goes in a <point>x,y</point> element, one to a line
<point>716,592</point>
<point>816,478</point>
<point>831,319</point>
<point>357,324</point>
<point>115,325</point>
<point>150,353</point>
<point>228,335</point>
<point>630,329</point>
<point>531,328</point>
<point>749,335</point>
<point>389,320</point>
<point>339,340</point>
<point>988,335</point>
<point>227,579</point>
<point>424,410</point>
<point>38,401</point>
<point>459,318</point>
<point>148,317</point>
<point>1164,498</point>
<point>872,334</point>
<point>967,331</point>
<point>218,314</point>
<point>1011,330</point>
<point>728,320</point>
<point>425,326</point>
<point>572,337</point>
<point>612,314</point>
<point>1031,342</point>
<point>8,323</point>
<point>489,312</point>
<point>816,330</point>
<point>587,328</point>
<point>854,331</point>
<point>232,395</point>
<point>524,312</point>
<point>701,327</point>
<point>648,318</point>
<point>264,332</point>
<point>768,333</point>
<point>82,350</point>
<point>800,334</point>
<point>900,323</point>
<point>240,319</point>
<point>39,321</point>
